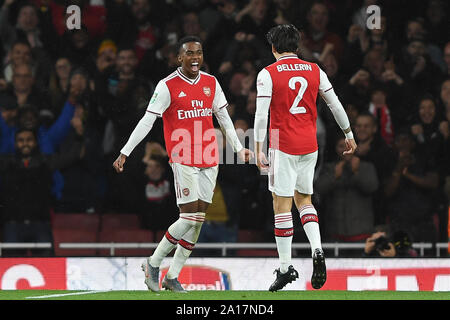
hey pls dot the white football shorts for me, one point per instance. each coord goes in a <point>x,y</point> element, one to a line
<point>193,183</point>
<point>289,172</point>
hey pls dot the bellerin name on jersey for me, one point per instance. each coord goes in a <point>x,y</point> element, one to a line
<point>194,113</point>
<point>294,67</point>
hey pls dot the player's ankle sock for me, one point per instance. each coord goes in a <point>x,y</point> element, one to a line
<point>172,236</point>
<point>284,231</point>
<point>310,222</point>
<point>185,247</point>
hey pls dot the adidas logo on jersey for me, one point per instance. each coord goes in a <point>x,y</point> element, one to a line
<point>182,94</point>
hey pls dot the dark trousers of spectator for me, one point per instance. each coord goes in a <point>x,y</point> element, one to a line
<point>27,231</point>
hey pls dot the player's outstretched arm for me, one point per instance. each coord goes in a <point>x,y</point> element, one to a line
<point>139,133</point>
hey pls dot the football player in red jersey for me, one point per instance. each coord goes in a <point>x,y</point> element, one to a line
<point>186,100</point>
<point>289,88</point>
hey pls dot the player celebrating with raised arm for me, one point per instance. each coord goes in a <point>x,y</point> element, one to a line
<point>289,89</point>
<point>186,100</point>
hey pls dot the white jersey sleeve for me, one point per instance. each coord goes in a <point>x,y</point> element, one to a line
<point>326,91</point>
<point>160,100</point>
<point>263,98</point>
<point>139,133</point>
<point>223,118</point>
<point>220,101</point>
<point>159,103</point>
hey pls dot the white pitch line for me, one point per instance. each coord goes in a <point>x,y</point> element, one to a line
<point>64,294</point>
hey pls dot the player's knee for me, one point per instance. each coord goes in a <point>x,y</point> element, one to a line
<point>281,204</point>
<point>301,199</point>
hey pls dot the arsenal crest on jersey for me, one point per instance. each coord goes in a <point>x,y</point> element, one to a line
<point>207,91</point>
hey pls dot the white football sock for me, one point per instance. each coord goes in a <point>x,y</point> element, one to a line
<point>185,247</point>
<point>284,231</point>
<point>171,238</point>
<point>310,222</point>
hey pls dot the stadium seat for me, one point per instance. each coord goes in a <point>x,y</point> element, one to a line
<point>84,221</point>
<point>126,236</point>
<point>61,235</point>
<point>116,221</point>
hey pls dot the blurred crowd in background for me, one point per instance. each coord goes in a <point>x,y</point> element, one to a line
<point>69,100</point>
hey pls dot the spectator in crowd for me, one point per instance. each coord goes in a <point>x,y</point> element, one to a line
<point>243,48</point>
<point>415,29</point>
<point>49,137</point>
<point>26,184</point>
<point>332,68</point>
<point>380,244</point>
<point>347,186</point>
<point>427,129</point>
<point>145,35</point>
<point>380,110</point>
<point>191,26</point>
<point>357,89</point>
<point>24,88</point>
<point>31,26</point>
<point>420,74</point>
<point>116,87</point>
<point>59,83</point>
<point>410,189</point>
<point>20,53</point>
<point>86,171</point>
<point>255,18</point>
<point>79,47</point>
<point>316,35</point>
<point>372,148</point>
<point>106,55</point>
<point>159,198</point>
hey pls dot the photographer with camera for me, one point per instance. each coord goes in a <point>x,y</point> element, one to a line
<point>379,244</point>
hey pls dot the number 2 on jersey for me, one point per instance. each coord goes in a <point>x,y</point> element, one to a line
<point>295,109</point>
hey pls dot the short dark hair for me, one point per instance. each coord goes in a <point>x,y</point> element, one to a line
<point>23,129</point>
<point>367,113</point>
<point>284,38</point>
<point>187,39</point>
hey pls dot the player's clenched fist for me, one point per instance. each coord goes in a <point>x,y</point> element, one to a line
<point>118,164</point>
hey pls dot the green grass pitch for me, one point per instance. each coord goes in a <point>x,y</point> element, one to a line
<point>221,295</point>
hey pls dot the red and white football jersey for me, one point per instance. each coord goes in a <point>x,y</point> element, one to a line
<point>292,85</point>
<point>186,106</point>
